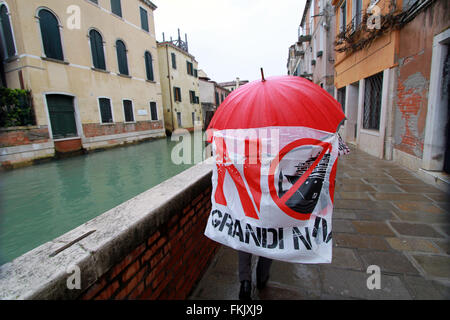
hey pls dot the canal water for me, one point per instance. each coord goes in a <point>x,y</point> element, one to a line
<point>42,202</point>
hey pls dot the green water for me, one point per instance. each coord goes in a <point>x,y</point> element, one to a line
<point>42,202</point>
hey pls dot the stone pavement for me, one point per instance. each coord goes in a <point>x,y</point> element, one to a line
<point>384,215</point>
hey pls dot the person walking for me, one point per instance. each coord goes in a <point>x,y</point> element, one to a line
<point>245,274</point>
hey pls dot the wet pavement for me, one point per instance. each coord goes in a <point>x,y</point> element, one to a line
<point>384,215</point>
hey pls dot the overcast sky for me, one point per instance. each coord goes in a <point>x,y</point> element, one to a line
<point>233,38</point>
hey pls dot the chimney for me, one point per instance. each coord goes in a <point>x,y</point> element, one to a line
<point>237,82</point>
<point>164,38</point>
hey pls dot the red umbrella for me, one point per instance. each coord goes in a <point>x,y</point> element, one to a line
<point>279,101</point>
<point>275,148</point>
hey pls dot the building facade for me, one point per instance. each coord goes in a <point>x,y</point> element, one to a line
<point>91,66</point>
<point>233,85</point>
<point>180,86</point>
<point>312,56</point>
<point>391,72</point>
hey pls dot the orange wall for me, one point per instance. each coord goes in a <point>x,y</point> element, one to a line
<point>380,55</point>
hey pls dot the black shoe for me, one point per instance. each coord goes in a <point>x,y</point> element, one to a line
<point>246,290</point>
<point>261,284</point>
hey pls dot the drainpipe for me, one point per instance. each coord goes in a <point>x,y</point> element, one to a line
<point>170,85</point>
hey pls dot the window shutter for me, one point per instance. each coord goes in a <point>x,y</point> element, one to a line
<point>153,111</point>
<point>144,19</point>
<point>98,55</point>
<point>51,38</point>
<point>105,110</point>
<point>149,66</point>
<point>174,61</point>
<point>128,110</point>
<point>7,31</point>
<point>122,57</point>
<point>116,8</point>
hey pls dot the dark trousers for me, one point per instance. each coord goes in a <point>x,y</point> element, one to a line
<point>245,267</point>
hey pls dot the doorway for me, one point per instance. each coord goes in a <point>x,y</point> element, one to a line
<point>62,116</point>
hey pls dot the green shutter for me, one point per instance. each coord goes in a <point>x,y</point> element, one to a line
<point>98,55</point>
<point>153,111</point>
<point>62,116</point>
<point>122,57</point>
<point>7,31</point>
<point>105,110</point>
<point>144,19</point>
<point>149,66</point>
<point>116,8</point>
<point>174,61</point>
<point>51,38</point>
<point>128,110</point>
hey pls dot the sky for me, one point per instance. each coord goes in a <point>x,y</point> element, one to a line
<point>233,38</point>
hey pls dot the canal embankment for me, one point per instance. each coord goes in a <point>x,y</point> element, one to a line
<point>150,247</point>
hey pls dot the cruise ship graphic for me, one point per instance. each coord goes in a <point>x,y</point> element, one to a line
<point>305,198</point>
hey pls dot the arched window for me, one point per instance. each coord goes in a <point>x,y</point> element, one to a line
<point>122,57</point>
<point>149,66</point>
<point>51,38</point>
<point>6,33</point>
<point>98,55</point>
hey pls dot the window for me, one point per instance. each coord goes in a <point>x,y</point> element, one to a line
<point>196,73</point>
<point>372,101</point>
<point>122,57</point>
<point>177,94</point>
<point>6,33</point>
<point>190,68</point>
<point>174,60</point>
<point>179,119</point>
<point>128,110</point>
<point>217,98</point>
<point>98,55</point>
<point>94,1</point>
<point>193,118</point>
<point>116,8</point>
<point>153,111</point>
<point>343,16</point>
<point>192,96</point>
<point>356,13</point>
<point>51,38</point>
<point>221,97</point>
<point>149,66</point>
<point>341,97</point>
<point>105,110</point>
<point>144,19</point>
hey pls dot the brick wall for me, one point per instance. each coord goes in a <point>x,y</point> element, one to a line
<point>18,136</point>
<point>96,129</point>
<point>168,263</point>
<point>414,67</point>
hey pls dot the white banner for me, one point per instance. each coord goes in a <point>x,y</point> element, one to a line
<point>273,192</point>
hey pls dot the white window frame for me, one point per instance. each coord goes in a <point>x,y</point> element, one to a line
<point>61,33</point>
<point>100,111</point>
<point>90,48</point>
<point>157,113</point>
<point>132,110</point>
<point>12,31</point>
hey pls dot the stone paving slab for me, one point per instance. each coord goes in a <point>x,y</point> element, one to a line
<point>384,215</point>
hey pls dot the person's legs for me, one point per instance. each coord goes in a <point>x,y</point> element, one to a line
<point>245,275</point>
<point>245,266</point>
<point>262,271</point>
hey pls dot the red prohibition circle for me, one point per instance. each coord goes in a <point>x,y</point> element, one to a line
<point>274,165</point>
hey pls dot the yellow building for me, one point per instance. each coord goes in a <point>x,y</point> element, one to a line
<point>365,72</point>
<point>180,86</point>
<point>91,66</point>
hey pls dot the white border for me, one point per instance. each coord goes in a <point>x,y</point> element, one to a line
<point>132,110</point>
<point>100,112</point>
<point>12,31</point>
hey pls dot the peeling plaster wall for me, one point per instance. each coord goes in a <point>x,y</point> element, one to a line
<point>413,77</point>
